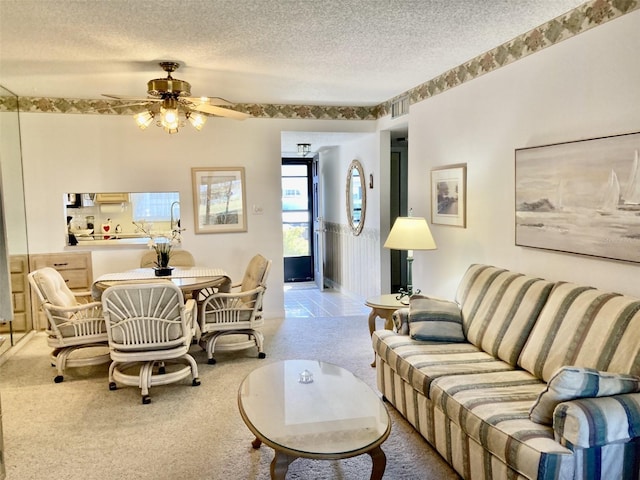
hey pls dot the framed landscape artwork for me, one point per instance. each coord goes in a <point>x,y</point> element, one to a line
<point>449,195</point>
<point>580,197</point>
<point>219,200</point>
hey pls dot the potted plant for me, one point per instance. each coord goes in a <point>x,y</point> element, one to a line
<point>163,245</point>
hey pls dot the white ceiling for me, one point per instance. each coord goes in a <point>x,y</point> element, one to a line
<point>324,52</point>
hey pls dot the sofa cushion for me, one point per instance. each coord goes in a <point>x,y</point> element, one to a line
<point>570,383</point>
<point>499,309</point>
<point>493,409</point>
<point>584,327</point>
<point>435,319</point>
<point>419,362</point>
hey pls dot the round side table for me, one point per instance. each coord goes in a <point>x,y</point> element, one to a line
<point>383,307</point>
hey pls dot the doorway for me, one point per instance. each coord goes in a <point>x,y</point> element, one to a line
<point>297,221</point>
<point>398,206</point>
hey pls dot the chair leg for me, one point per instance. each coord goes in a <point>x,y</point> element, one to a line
<point>195,380</point>
<point>146,372</point>
<point>112,382</point>
<point>61,358</point>
<point>259,338</point>
<point>211,345</point>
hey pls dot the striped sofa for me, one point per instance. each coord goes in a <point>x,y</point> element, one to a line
<point>471,400</point>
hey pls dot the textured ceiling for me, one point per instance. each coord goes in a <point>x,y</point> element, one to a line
<point>324,52</point>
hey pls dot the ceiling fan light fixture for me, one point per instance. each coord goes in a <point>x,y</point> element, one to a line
<point>169,118</point>
<point>196,119</point>
<point>169,103</point>
<point>304,149</point>
<point>143,119</point>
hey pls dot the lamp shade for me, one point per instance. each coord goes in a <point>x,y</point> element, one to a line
<point>410,233</point>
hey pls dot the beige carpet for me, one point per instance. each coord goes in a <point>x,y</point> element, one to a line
<point>80,430</point>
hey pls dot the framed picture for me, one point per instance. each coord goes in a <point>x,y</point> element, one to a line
<point>449,195</point>
<point>219,200</point>
<point>580,197</point>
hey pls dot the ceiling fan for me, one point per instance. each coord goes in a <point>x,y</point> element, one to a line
<point>169,98</point>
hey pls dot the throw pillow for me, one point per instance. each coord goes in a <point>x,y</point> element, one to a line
<point>434,319</point>
<point>571,383</point>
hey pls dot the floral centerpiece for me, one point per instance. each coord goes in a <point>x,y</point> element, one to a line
<point>163,245</point>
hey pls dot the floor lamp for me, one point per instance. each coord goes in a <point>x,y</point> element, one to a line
<point>410,233</point>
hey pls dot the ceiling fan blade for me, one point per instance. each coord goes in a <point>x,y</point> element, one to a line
<point>208,101</point>
<point>221,112</point>
<point>132,99</point>
<point>124,105</point>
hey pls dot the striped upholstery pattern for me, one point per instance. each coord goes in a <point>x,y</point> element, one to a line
<point>419,362</point>
<point>594,422</point>
<point>435,319</point>
<point>472,401</point>
<point>499,309</point>
<point>571,383</point>
<point>493,410</point>
<point>584,327</point>
<point>613,461</point>
<point>475,460</point>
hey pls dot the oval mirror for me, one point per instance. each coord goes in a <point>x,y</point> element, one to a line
<point>356,197</point>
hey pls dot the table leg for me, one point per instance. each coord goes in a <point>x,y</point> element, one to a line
<point>280,465</point>
<point>379,460</point>
<point>372,327</point>
<point>386,315</point>
<point>372,321</point>
<point>256,443</point>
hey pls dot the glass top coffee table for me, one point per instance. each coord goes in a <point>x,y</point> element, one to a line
<point>313,409</point>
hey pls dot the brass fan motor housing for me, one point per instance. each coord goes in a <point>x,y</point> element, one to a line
<point>168,87</point>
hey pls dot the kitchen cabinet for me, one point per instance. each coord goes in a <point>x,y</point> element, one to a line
<point>19,269</point>
<point>75,267</point>
<point>112,197</point>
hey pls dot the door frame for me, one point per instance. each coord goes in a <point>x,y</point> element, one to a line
<point>301,263</point>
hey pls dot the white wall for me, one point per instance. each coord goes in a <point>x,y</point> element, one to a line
<point>585,87</point>
<point>82,153</point>
<point>352,264</point>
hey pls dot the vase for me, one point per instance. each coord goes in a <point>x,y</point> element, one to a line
<point>163,271</point>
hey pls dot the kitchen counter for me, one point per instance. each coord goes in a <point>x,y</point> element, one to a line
<point>120,239</point>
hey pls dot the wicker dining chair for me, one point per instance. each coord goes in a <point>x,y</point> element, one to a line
<point>150,328</point>
<point>74,322</point>
<point>238,312</point>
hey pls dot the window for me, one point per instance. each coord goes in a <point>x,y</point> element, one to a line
<point>296,224</point>
<point>153,207</point>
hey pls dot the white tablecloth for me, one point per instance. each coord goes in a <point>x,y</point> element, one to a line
<point>148,273</point>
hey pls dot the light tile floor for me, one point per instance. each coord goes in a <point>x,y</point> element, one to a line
<point>303,299</point>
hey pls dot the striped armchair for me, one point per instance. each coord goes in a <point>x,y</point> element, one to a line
<point>474,401</point>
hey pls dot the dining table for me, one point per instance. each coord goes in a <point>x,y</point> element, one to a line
<point>190,280</point>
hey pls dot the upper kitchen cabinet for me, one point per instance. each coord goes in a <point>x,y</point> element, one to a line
<point>112,197</point>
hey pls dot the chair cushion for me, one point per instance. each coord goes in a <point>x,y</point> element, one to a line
<point>254,274</point>
<point>435,319</point>
<point>571,383</point>
<point>53,288</point>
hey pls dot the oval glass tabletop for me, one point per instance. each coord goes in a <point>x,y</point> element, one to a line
<point>313,409</point>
